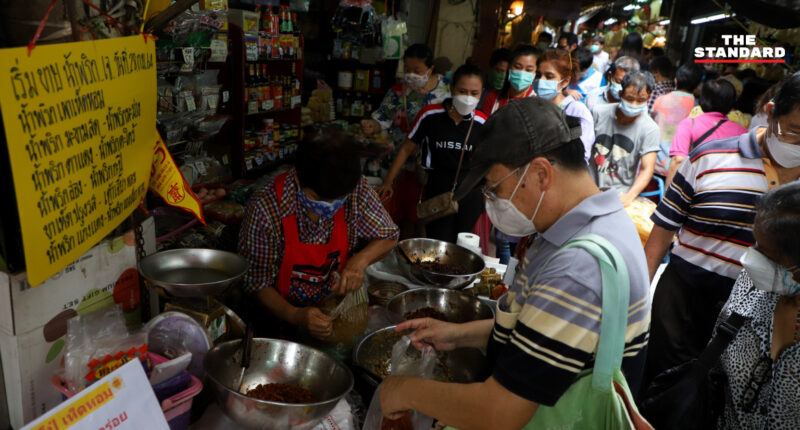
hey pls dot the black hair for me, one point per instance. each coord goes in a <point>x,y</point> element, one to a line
<point>466,70</point>
<point>778,215</point>
<point>717,95</point>
<point>572,38</point>
<point>524,51</point>
<point>632,45</point>
<point>663,66</point>
<point>688,76</point>
<point>499,55</point>
<point>545,35</point>
<point>327,162</point>
<point>639,80</point>
<point>420,51</point>
<point>584,58</point>
<point>657,51</point>
<point>788,97</point>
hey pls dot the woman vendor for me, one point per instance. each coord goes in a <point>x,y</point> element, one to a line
<point>313,231</point>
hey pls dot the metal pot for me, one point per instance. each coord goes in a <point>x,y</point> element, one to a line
<point>457,307</point>
<point>193,272</point>
<point>373,357</point>
<point>276,361</point>
<point>427,250</point>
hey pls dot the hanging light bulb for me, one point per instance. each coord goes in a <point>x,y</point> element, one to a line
<point>517,7</point>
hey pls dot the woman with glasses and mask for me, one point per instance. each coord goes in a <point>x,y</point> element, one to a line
<point>446,135</point>
<point>761,363</point>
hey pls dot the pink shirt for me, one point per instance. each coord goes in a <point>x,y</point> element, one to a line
<point>692,128</point>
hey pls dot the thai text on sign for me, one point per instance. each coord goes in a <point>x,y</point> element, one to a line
<point>79,122</point>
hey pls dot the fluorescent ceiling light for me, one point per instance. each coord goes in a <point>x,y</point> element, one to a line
<point>610,21</point>
<point>631,7</point>
<point>664,22</point>
<point>712,18</point>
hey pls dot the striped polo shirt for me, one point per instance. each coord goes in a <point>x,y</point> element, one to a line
<point>711,203</point>
<point>547,327</point>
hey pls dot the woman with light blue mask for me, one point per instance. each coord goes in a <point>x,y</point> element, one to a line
<point>557,69</point>
<point>519,85</point>
<point>761,361</point>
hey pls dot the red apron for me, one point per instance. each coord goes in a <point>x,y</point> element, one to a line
<point>307,270</point>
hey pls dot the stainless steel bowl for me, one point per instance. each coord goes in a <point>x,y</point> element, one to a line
<point>457,306</point>
<point>276,361</point>
<point>193,272</point>
<point>463,365</point>
<point>425,250</point>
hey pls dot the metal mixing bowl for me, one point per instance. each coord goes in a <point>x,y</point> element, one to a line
<point>457,307</point>
<point>463,365</point>
<point>276,361</point>
<point>193,272</point>
<point>425,250</point>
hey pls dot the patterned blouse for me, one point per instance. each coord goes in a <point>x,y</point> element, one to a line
<point>261,235</point>
<point>761,393</point>
<point>396,119</point>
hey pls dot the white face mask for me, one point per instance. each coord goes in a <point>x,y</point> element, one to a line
<point>768,275</point>
<point>507,218</point>
<point>465,104</point>
<point>785,154</point>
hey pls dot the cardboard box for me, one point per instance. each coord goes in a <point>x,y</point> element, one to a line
<point>245,19</point>
<point>33,321</point>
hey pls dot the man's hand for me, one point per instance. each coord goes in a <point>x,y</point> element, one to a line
<point>352,275</point>
<point>626,198</point>
<point>393,404</point>
<point>317,323</point>
<point>439,334</point>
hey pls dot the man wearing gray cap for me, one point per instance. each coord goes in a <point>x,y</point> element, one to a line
<point>547,327</point>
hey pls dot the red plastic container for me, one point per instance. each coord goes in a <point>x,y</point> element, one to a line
<point>176,408</point>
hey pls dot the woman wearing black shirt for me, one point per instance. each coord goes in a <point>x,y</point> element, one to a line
<point>439,132</point>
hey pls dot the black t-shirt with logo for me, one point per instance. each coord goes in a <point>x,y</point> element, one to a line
<point>440,141</point>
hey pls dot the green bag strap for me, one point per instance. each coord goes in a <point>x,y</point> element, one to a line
<point>616,299</point>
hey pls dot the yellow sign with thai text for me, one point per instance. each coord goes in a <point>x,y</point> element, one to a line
<point>168,182</point>
<point>80,124</point>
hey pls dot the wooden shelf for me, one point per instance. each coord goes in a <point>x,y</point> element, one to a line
<point>273,111</point>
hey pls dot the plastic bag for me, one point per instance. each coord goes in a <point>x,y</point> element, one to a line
<point>406,361</point>
<point>98,343</point>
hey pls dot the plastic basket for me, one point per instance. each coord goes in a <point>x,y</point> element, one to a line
<point>176,408</point>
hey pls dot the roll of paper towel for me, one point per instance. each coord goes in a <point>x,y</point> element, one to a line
<point>470,241</point>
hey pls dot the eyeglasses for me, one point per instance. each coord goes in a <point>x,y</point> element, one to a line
<point>787,136</point>
<point>488,191</point>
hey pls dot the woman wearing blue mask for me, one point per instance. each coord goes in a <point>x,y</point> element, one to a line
<point>627,140</point>
<point>556,70</point>
<point>761,361</point>
<point>312,232</point>
<point>520,80</point>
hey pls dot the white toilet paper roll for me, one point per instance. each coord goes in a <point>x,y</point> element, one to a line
<point>468,240</point>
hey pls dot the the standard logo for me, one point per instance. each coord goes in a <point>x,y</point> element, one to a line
<point>739,48</point>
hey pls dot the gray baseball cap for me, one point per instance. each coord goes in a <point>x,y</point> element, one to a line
<point>521,130</point>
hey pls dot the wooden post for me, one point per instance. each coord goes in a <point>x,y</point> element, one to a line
<point>486,34</point>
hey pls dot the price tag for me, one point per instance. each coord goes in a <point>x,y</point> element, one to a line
<point>226,96</point>
<point>259,160</point>
<point>251,52</point>
<point>296,100</point>
<point>219,51</point>
<point>268,104</point>
<point>252,107</point>
<point>201,168</point>
<point>213,100</point>
<point>190,105</point>
<point>188,56</point>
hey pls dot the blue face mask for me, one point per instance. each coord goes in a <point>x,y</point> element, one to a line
<point>631,110</point>
<point>322,209</point>
<point>545,89</point>
<point>520,79</point>
<point>595,49</point>
<point>615,88</point>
